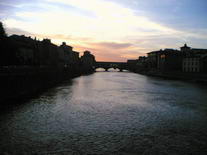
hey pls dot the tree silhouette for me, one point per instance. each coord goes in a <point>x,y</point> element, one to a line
<point>5,53</point>
<point>2,31</point>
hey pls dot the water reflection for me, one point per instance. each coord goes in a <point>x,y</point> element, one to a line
<point>109,70</point>
<point>110,113</point>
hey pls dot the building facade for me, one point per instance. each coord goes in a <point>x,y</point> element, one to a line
<point>152,59</point>
<point>70,58</point>
<point>87,61</point>
<point>191,64</point>
<point>169,60</point>
<point>193,59</point>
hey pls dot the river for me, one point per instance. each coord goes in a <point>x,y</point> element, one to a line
<point>109,113</point>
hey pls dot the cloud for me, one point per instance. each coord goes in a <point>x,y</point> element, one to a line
<point>105,54</point>
<point>107,51</point>
<point>107,23</point>
<point>105,27</point>
<point>112,45</point>
<point>18,31</point>
<point>56,38</point>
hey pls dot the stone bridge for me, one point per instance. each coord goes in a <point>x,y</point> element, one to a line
<point>107,65</point>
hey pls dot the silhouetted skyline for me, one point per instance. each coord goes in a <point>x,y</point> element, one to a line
<point>114,30</point>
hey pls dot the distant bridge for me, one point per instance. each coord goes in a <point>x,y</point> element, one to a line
<point>107,65</point>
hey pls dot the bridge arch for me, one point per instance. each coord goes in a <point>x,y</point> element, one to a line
<point>115,65</point>
<point>101,69</point>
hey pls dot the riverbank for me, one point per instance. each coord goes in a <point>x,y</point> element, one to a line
<point>23,83</point>
<point>191,77</point>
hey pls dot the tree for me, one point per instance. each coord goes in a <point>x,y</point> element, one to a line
<point>2,31</point>
<point>3,46</point>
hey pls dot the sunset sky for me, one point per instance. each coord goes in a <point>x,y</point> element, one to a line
<point>113,30</point>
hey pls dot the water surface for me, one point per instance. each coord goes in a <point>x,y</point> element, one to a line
<point>110,113</point>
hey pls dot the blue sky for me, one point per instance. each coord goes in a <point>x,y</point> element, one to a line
<point>112,29</point>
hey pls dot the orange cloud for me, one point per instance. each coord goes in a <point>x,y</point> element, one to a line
<point>111,51</point>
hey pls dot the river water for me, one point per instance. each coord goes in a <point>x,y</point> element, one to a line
<point>110,113</point>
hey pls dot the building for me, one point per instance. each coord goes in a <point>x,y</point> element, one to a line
<point>87,61</point>
<point>185,48</point>
<point>165,60</point>
<point>169,60</point>
<point>204,63</point>
<point>152,59</point>
<point>69,57</point>
<point>194,59</point>
<point>191,64</point>
<point>61,57</point>
<point>186,59</point>
<point>141,64</point>
<point>65,53</point>
<point>75,58</point>
<point>132,65</point>
<point>47,53</point>
<point>25,49</point>
<point>32,52</point>
<point>88,58</point>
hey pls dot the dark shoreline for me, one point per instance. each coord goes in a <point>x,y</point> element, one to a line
<point>20,86</point>
<point>188,77</point>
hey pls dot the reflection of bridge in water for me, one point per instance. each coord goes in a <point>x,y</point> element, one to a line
<point>107,65</point>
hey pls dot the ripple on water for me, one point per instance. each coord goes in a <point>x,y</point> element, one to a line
<point>110,113</point>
